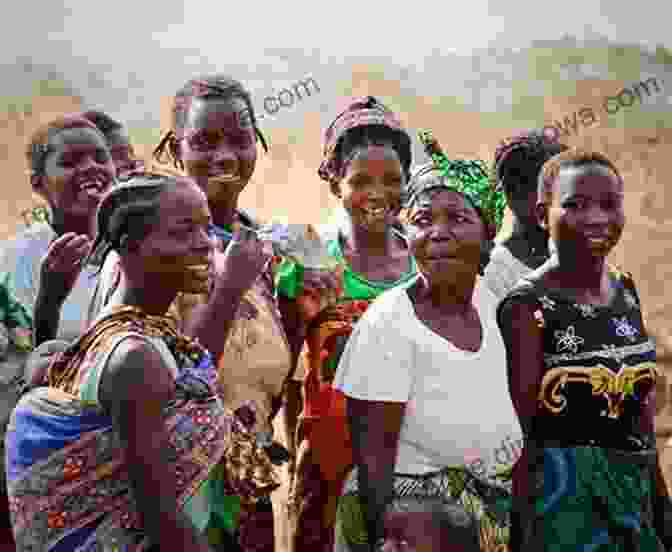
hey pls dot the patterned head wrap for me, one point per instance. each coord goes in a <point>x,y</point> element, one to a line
<point>468,177</point>
<point>364,111</point>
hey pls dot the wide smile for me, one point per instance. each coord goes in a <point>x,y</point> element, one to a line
<point>376,213</point>
<point>92,186</point>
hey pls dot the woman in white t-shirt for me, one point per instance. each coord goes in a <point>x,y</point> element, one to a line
<point>425,378</point>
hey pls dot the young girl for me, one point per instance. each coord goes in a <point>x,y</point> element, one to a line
<point>582,373</point>
<point>518,161</point>
<point>367,157</point>
<point>255,336</point>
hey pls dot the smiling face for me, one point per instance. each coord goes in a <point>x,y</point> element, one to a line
<point>77,171</point>
<point>218,146</point>
<point>446,233</point>
<point>584,213</point>
<point>179,251</point>
<point>371,187</point>
<point>122,153</point>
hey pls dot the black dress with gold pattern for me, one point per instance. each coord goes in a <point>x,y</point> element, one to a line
<point>599,368</point>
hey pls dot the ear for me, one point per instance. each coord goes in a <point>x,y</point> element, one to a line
<point>490,232</point>
<point>38,183</point>
<point>542,215</point>
<point>335,188</point>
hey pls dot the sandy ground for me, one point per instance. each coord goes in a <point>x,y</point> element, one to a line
<point>286,185</point>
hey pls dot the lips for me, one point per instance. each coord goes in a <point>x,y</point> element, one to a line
<point>228,173</point>
<point>377,213</point>
<point>599,240</point>
<point>92,184</point>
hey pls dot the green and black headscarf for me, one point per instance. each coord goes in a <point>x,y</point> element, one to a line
<point>470,177</point>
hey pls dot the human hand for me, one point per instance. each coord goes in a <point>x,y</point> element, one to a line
<point>321,289</point>
<point>244,260</point>
<point>62,265</point>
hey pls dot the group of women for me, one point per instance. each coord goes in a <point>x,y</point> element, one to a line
<point>168,336</point>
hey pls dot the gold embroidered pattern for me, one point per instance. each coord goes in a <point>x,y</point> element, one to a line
<point>614,387</point>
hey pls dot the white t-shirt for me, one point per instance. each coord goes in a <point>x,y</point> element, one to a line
<point>22,256</point>
<point>504,271</point>
<point>458,408</point>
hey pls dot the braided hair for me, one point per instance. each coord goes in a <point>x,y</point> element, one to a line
<point>38,147</point>
<point>204,87</point>
<point>128,212</point>
<point>106,124</point>
<point>519,159</point>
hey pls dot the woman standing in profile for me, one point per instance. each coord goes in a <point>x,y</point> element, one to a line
<point>116,452</point>
<point>582,374</point>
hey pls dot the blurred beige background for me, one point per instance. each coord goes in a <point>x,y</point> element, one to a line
<point>638,139</point>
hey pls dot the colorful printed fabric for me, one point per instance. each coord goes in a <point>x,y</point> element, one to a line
<point>593,486</point>
<point>468,177</point>
<point>68,483</point>
<point>324,456</point>
<point>15,321</point>
<point>360,112</point>
<point>488,506</point>
<point>592,498</point>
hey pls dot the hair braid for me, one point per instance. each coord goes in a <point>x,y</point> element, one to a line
<point>204,87</point>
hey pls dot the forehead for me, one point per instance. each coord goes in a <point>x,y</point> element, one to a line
<point>384,157</point>
<point>118,137</point>
<point>442,199</point>
<point>217,113</point>
<point>71,138</point>
<point>589,180</point>
<point>182,201</point>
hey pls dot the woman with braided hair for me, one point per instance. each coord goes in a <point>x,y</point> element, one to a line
<point>420,442</point>
<point>115,453</point>
<point>517,163</point>
<point>254,336</point>
<point>367,157</point>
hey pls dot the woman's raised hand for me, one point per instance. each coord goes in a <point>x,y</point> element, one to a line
<point>245,258</point>
<point>321,289</point>
<point>62,265</point>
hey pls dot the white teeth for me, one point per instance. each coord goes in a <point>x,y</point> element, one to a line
<point>376,212</point>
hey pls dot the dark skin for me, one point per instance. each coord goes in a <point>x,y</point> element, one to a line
<point>447,236</point>
<point>77,158</point>
<point>218,149</point>
<point>137,384</point>
<point>370,193</point>
<point>585,218</point>
<point>121,150</point>
<point>528,241</point>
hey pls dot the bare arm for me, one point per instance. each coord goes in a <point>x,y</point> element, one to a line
<point>46,316</point>
<point>375,428</point>
<point>523,339</point>
<point>211,323</point>
<point>135,388</point>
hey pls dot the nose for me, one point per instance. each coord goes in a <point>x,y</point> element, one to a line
<point>224,154</point>
<point>204,242</point>
<point>597,215</point>
<point>87,162</point>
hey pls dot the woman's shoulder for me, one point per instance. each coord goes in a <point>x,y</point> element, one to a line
<point>392,306</point>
